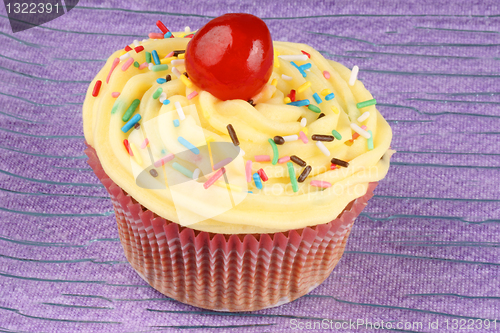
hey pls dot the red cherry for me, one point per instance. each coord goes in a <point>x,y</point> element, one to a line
<point>231,56</point>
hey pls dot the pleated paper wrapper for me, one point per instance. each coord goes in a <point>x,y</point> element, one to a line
<point>227,272</point>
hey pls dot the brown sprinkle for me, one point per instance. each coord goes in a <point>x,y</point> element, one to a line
<point>185,73</point>
<point>298,160</point>
<point>177,52</point>
<point>233,135</point>
<point>304,174</point>
<point>168,78</point>
<point>321,115</point>
<point>318,137</point>
<point>340,162</point>
<point>137,126</point>
<point>279,140</point>
<point>153,173</point>
<point>250,101</point>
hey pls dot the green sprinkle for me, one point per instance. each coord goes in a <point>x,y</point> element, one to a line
<point>275,151</point>
<point>159,68</point>
<point>157,93</point>
<point>136,64</point>
<point>148,57</point>
<point>117,105</point>
<point>186,172</point>
<point>291,172</point>
<point>366,103</point>
<point>370,141</point>
<point>337,135</point>
<point>314,108</point>
<point>131,109</point>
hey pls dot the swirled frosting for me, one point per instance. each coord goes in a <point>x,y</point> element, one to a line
<point>246,209</point>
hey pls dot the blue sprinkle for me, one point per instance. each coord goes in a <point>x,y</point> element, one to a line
<point>134,120</point>
<point>166,102</point>
<point>329,96</point>
<point>258,182</point>
<point>303,102</point>
<point>155,57</point>
<point>188,145</point>
<point>300,69</point>
<point>305,66</point>
<point>250,192</point>
<point>176,122</point>
<point>167,35</point>
<point>317,98</point>
<point>160,80</point>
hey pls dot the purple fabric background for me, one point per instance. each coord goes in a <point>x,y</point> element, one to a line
<point>425,249</point>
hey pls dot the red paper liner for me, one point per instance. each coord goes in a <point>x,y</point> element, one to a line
<point>227,272</point>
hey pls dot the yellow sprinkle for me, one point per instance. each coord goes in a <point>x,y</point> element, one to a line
<point>325,92</point>
<point>137,155</point>
<point>335,110</point>
<point>210,139</point>
<point>304,129</point>
<point>186,81</point>
<point>181,56</point>
<point>228,186</point>
<point>287,100</point>
<point>276,60</point>
<point>303,87</point>
<point>165,61</point>
<point>122,53</point>
<point>274,82</point>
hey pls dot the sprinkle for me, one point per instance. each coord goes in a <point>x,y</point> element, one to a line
<point>284,159</point>
<point>274,82</point>
<point>322,147</point>
<point>159,68</point>
<point>131,109</point>
<point>321,115</point>
<point>180,112</point>
<point>320,183</point>
<point>136,64</point>
<point>299,69</point>
<point>305,130</point>
<point>164,160</point>
<point>286,77</point>
<point>326,75</point>
<point>155,35</point>
<point>334,109</point>
<point>176,53</point>
<point>287,100</point>
<point>354,137</point>
<point>176,62</point>
<point>248,171</point>
<point>250,101</point>
<point>262,158</point>
<point>157,93</point>
<point>113,66</point>
<point>232,135</point>
<point>186,172</point>
<point>214,178</point>
<point>188,145</point>
<point>125,56</point>
<point>168,77</point>
<point>294,57</point>
<point>127,64</point>
<point>160,80</point>
<point>148,57</point>
<point>291,172</point>
<point>318,137</point>
<point>340,162</point>
<point>262,175</point>
<point>143,65</point>
<point>222,163</point>
<point>276,62</point>
<point>185,73</point>
<point>176,72</point>
<point>186,81</point>
<point>145,143</point>
<point>279,140</point>
<point>137,155</point>
<point>162,27</point>
<point>303,102</point>
<point>325,92</point>
<point>189,36</point>
<point>354,75</point>
<point>127,147</point>
<point>139,49</point>
<point>317,98</point>
<point>307,54</point>
<point>168,35</point>
<point>170,54</point>
<point>298,160</point>
<point>150,66</point>
<point>176,122</point>
<point>275,151</point>
<point>137,126</point>
<point>134,120</point>
<point>303,87</point>
<point>303,137</point>
<point>192,94</point>
<point>187,29</point>
<point>292,95</point>
<point>333,167</point>
<point>360,131</point>
<point>115,94</point>
<point>136,43</point>
<point>166,102</point>
<point>314,108</point>
<point>370,140</point>
<point>337,135</point>
<point>257,181</point>
<point>363,117</point>
<point>128,48</point>
<point>153,173</point>
<point>163,96</point>
<point>305,67</point>
<point>330,96</point>
<point>97,87</point>
<point>366,103</point>
<point>289,138</point>
<point>303,122</point>
<point>196,173</point>
<point>304,174</point>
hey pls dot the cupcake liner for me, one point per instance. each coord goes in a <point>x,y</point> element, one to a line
<point>227,272</point>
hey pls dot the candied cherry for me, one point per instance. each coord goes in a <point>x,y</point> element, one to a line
<point>231,56</point>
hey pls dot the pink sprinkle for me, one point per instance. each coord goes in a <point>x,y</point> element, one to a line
<point>214,178</point>
<point>333,167</point>
<point>326,75</point>
<point>320,183</point>
<point>222,163</point>
<point>113,66</point>
<point>145,143</point>
<point>364,127</point>
<point>192,95</point>
<point>169,55</point>
<point>115,94</point>
<point>176,72</point>
<point>164,160</point>
<point>143,65</point>
<point>127,64</point>
<point>248,170</point>
<point>284,159</point>
<point>262,158</point>
<point>156,35</point>
<point>303,137</point>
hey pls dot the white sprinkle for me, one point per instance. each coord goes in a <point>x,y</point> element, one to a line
<point>308,70</point>
<point>360,131</point>
<point>303,122</point>
<point>177,62</point>
<point>294,57</point>
<point>150,66</point>
<point>242,152</point>
<point>180,112</point>
<point>136,42</point>
<point>354,75</point>
<point>162,97</point>
<point>363,117</point>
<point>187,29</point>
<point>196,173</point>
<point>289,138</point>
<point>286,77</point>
<point>125,56</point>
<point>176,72</point>
<point>144,40</point>
<point>322,147</point>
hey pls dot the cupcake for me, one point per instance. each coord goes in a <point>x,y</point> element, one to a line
<point>236,165</point>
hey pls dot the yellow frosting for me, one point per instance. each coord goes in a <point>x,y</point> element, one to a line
<point>274,208</point>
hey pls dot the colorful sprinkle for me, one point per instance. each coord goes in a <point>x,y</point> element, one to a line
<point>155,35</point>
<point>334,109</point>
<point>289,138</point>
<point>291,173</point>
<point>164,160</point>
<point>330,96</point>
<point>136,64</point>
<point>314,108</point>
<point>115,94</point>
<point>298,160</point>
<point>148,57</point>
<point>134,120</point>
<point>180,111</point>
<point>283,159</point>
<point>319,137</point>
<point>303,137</point>
<point>302,102</point>
<point>321,115</point>
<point>139,49</point>
<point>339,162</point>
<point>131,109</point>
<point>113,66</point>
<point>286,77</point>
<point>279,140</point>
<point>159,68</point>
<point>262,158</point>
<point>291,95</point>
<point>97,87</point>
<point>168,77</point>
<point>153,173</point>
<point>232,135</point>
<point>189,36</point>
<point>325,92</point>
<point>262,175</point>
<point>128,48</point>
<point>360,131</point>
<point>274,82</point>
<point>305,66</point>
<point>317,98</point>
<point>157,93</point>
<point>166,102</point>
<point>304,74</point>
<point>366,103</point>
<point>186,172</point>
<point>248,171</point>
<point>127,147</point>
<point>188,145</point>
<point>337,135</point>
<point>145,143</point>
<point>176,72</point>
<point>143,65</point>
<point>320,183</point>
<point>354,75</point>
<point>304,174</point>
<point>186,81</point>
<point>303,122</point>
<point>323,148</point>
<point>370,140</point>
<point>287,100</point>
<point>275,151</point>
<point>176,62</point>
<point>257,181</point>
<point>160,80</point>
<point>307,54</point>
<point>326,75</point>
<point>127,64</point>
<point>363,117</point>
<point>124,56</point>
<point>303,87</point>
<point>294,57</point>
<point>162,27</point>
<point>214,178</point>
<point>176,122</point>
<point>192,94</point>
